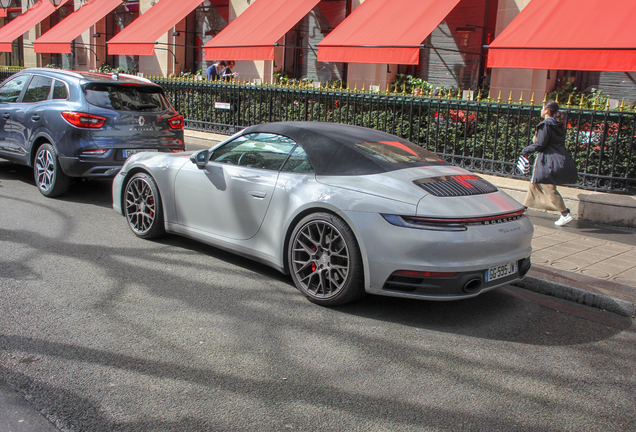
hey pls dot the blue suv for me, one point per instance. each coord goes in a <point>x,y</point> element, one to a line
<point>77,124</point>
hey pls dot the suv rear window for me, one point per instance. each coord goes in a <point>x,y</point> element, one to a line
<point>126,97</point>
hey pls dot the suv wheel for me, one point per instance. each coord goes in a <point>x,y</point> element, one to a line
<point>49,178</point>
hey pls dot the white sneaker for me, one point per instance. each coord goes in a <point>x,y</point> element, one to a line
<point>564,219</point>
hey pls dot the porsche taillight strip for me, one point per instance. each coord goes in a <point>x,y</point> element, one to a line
<point>451,224</point>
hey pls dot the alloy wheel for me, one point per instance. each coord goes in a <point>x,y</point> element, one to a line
<point>45,169</point>
<point>140,205</point>
<point>320,259</point>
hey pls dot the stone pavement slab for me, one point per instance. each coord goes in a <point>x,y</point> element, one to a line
<point>18,415</point>
<point>585,262</point>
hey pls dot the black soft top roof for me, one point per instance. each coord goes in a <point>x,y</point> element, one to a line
<point>331,148</point>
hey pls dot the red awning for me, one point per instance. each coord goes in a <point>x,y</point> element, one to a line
<point>25,22</point>
<point>595,35</point>
<point>384,31</point>
<point>59,38</point>
<point>140,36</point>
<point>253,34</point>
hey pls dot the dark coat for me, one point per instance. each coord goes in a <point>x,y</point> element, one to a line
<point>213,72</point>
<point>553,164</point>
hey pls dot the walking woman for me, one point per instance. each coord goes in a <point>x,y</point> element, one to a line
<point>553,165</point>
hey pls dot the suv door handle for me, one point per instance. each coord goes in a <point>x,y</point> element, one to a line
<point>6,116</point>
<point>35,117</point>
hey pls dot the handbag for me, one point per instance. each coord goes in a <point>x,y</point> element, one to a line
<point>523,165</point>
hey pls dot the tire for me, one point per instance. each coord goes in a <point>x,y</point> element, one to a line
<point>49,177</point>
<point>325,261</point>
<point>143,208</point>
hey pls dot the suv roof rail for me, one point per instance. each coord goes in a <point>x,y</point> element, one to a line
<point>146,80</point>
<point>45,69</point>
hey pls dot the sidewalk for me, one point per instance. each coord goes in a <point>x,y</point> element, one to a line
<point>584,262</point>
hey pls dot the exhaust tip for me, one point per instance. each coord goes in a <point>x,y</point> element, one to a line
<point>472,286</point>
<point>524,267</point>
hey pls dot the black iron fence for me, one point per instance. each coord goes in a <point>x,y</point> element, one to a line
<point>482,136</point>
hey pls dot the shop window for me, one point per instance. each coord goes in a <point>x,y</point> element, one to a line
<point>62,61</point>
<point>301,49</point>
<point>203,24</point>
<point>116,21</point>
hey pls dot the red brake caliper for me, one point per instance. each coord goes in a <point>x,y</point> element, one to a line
<point>152,202</point>
<point>313,264</point>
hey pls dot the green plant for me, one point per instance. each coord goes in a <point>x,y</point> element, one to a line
<point>406,83</point>
<point>106,68</point>
<point>568,94</point>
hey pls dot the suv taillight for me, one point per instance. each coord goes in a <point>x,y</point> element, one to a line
<point>83,120</point>
<point>176,122</point>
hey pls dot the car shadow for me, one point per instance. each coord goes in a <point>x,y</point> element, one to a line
<point>508,313</point>
<point>93,192</point>
<point>11,171</point>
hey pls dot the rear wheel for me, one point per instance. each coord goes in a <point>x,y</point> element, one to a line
<point>142,207</point>
<point>49,177</point>
<point>325,261</point>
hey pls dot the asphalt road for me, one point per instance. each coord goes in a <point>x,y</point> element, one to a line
<point>102,331</point>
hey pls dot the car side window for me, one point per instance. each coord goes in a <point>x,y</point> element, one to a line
<point>259,150</point>
<point>10,91</point>
<point>298,162</point>
<point>59,90</point>
<point>38,90</point>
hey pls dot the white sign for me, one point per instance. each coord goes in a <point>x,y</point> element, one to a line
<point>222,105</point>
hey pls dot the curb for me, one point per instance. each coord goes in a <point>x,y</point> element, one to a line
<point>577,295</point>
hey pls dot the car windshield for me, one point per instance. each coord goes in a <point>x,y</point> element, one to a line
<point>397,152</point>
<point>126,97</point>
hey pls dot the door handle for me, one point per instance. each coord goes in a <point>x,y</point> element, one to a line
<point>6,116</point>
<point>257,194</point>
<point>35,117</point>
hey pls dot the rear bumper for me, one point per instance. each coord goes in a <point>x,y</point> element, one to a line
<point>106,166</point>
<point>461,285</point>
<point>467,254</point>
<point>90,167</point>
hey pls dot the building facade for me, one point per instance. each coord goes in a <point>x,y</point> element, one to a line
<point>453,55</point>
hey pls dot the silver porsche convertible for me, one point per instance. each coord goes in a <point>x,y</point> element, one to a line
<point>345,210</point>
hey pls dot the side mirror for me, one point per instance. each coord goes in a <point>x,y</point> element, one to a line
<point>201,158</point>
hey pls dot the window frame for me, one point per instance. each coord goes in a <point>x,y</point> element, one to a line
<point>24,87</point>
<point>214,155</point>
<point>48,97</point>
<point>65,84</point>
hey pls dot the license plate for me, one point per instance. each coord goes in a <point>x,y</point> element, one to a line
<point>500,271</point>
<point>128,153</point>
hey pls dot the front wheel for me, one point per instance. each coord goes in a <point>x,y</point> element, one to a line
<point>142,207</point>
<point>325,261</point>
<point>49,177</point>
